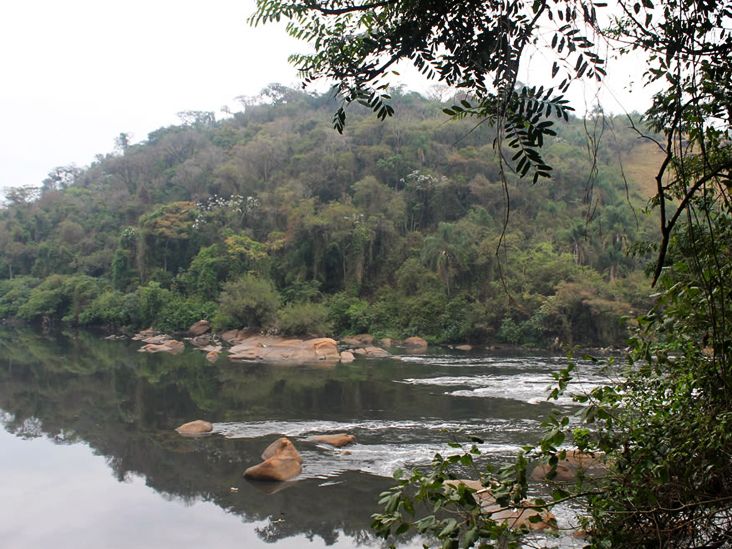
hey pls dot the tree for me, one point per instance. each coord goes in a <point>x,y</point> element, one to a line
<point>664,427</point>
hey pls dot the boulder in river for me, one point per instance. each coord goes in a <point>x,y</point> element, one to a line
<point>337,440</point>
<point>281,462</point>
<point>371,352</point>
<point>195,428</point>
<point>199,328</point>
<point>415,344</point>
<point>347,357</point>
<point>277,349</point>
<point>569,469</point>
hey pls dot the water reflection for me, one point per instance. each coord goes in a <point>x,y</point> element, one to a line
<point>76,395</point>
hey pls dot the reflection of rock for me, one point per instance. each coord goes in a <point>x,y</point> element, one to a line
<point>270,487</point>
<point>195,428</point>
<point>514,517</point>
<point>277,349</point>
<point>212,356</point>
<point>281,462</point>
<point>199,328</point>
<point>339,440</point>
<point>371,352</point>
<point>415,344</point>
<point>569,469</point>
<point>168,346</point>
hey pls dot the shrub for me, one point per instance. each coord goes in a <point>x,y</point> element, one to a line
<point>247,302</point>
<point>303,319</point>
<point>178,313</point>
<point>14,293</point>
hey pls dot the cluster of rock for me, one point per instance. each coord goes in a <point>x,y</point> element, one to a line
<point>280,460</point>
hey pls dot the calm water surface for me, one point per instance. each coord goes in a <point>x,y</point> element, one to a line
<point>89,458</point>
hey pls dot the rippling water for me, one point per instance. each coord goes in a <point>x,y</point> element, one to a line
<point>89,448</point>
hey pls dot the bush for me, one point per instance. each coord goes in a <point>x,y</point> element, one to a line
<point>14,293</point>
<point>248,302</point>
<point>309,319</point>
<point>348,314</point>
<point>178,313</point>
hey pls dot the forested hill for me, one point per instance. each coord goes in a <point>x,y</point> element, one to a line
<point>271,218</point>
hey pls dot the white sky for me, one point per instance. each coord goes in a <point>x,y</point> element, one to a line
<point>76,73</point>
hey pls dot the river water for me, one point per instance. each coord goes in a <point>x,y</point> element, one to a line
<point>89,458</point>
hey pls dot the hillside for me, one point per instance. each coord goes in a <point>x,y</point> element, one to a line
<point>270,218</point>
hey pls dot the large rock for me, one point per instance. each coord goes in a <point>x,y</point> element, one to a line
<point>520,517</point>
<point>199,328</point>
<point>202,340</point>
<point>277,349</point>
<point>282,448</point>
<point>338,440</point>
<point>347,357</point>
<point>371,352</point>
<point>281,462</point>
<point>574,465</point>
<point>195,428</point>
<point>415,344</point>
<point>359,340</point>
<point>144,334</point>
<point>168,346</point>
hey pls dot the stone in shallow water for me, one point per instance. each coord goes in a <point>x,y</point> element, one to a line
<point>338,440</point>
<point>195,428</point>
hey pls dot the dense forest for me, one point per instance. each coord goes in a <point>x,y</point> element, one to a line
<point>269,218</point>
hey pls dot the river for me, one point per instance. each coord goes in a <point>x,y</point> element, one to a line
<point>89,458</point>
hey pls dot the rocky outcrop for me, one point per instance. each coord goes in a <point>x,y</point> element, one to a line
<point>144,334</point>
<point>199,328</point>
<point>569,469</point>
<point>359,340</point>
<point>195,428</point>
<point>415,344</point>
<point>338,440</point>
<point>166,346</point>
<point>522,517</point>
<point>371,352</point>
<point>281,462</point>
<point>276,349</point>
<point>201,341</point>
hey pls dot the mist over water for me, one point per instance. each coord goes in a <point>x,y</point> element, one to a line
<point>89,439</point>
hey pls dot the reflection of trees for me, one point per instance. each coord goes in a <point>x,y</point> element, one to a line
<point>124,406</point>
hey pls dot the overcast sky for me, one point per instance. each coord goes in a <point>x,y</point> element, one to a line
<point>76,73</point>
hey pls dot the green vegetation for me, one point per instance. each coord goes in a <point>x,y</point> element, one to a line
<point>270,219</point>
<point>664,427</point>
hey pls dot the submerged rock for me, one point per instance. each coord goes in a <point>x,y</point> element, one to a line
<point>337,440</point>
<point>195,428</point>
<point>521,517</point>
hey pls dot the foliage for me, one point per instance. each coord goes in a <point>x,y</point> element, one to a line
<point>303,319</point>
<point>247,302</point>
